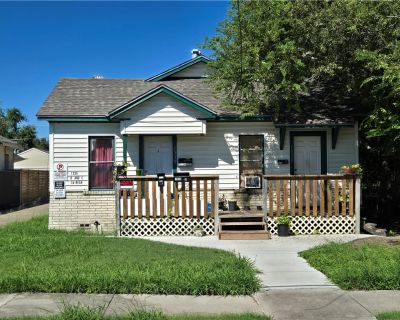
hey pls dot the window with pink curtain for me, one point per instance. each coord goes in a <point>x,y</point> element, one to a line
<point>101,161</point>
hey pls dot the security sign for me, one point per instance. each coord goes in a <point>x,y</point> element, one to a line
<point>59,189</point>
<point>60,171</point>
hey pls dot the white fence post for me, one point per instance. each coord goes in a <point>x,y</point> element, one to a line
<point>216,195</point>
<point>118,208</point>
<point>357,205</point>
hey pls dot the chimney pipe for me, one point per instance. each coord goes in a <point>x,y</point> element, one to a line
<point>195,53</point>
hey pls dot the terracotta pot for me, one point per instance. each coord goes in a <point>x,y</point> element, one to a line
<point>349,171</point>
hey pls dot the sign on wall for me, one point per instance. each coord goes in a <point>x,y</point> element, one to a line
<point>60,171</point>
<point>59,189</point>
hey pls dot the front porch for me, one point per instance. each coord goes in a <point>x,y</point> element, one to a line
<point>189,204</point>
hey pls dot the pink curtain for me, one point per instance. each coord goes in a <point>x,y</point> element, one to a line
<point>101,163</point>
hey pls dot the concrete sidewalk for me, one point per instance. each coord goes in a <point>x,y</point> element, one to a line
<point>327,304</point>
<point>277,259</point>
<point>24,214</point>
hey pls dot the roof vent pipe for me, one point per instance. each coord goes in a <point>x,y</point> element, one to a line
<point>196,53</point>
<point>97,76</point>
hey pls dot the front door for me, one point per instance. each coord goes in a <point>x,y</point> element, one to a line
<point>307,155</point>
<point>158,154</point>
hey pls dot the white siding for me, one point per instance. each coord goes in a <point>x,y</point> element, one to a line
<point>69,142</point>
<point>197,70</point>
<point>218,151</point>
<point>346,151</point>
<point>163,114</point>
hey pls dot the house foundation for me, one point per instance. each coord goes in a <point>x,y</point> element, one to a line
<point>81,210</point>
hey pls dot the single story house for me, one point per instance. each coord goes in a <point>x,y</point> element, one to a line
<point>7,148</point>
<point>32,159</point>
<point>173,122</point>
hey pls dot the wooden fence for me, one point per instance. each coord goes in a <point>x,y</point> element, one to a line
<point>311,195</point>
<point>143,198</point>
<point>22,187</point>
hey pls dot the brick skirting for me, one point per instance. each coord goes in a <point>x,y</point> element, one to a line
<point>82,209</point>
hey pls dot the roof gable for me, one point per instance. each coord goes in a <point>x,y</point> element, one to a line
<point>179,68</point>
<point>208,113</point>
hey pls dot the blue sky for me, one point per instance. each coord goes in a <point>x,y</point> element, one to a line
<point>41,42</point>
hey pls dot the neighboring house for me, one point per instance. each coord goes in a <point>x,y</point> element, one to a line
<point>173,122</point>
<point>33,159</point>
<point>7,148</point>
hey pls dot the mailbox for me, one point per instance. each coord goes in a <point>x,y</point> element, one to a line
<point>181,177</point>
<point>161,179</point>
<point>185,162</point>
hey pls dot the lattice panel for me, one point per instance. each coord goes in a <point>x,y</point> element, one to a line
<point>317,225</point>
<point>165,227</point>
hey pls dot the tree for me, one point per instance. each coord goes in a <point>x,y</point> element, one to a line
<point>12,127</point>
<point>270,54</point>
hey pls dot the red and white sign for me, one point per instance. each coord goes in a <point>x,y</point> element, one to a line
<point>60,172</point>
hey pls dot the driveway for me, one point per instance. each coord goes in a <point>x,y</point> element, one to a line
<point>277,259</point>
<point>24,214</point>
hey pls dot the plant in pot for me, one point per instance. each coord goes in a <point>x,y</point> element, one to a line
<point>351,169</point>
<point>283,222</point>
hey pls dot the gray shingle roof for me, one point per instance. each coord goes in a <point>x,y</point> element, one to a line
<point>8,142</point>
<point>98,97</point>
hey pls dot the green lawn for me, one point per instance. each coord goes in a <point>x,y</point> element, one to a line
<point>34,259</point>
<point>364,267</point>
<point>84,313</point>
<point>389,316</point>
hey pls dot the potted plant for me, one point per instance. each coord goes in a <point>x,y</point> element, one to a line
<point>199,232</point>
<point>222,203</point>
<point>283,223</point>
<point>351,169</point>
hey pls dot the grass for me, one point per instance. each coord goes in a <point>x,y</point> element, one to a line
<point>395,315</point>
<point>35,259</point>
<point>364,267</point>
<point>85,313</point>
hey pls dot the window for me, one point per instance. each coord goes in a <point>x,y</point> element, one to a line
<point>101,161</point>
<point>251,157</point>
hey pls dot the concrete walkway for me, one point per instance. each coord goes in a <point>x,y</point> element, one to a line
<point>277,259</point>
<point>327,304</point>
<point>24,214</point>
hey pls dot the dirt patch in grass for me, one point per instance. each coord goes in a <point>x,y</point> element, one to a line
<point>391,241</point>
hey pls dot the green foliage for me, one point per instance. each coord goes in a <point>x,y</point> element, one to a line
<point>395,315</point>
<point>363,267</point>
<point>12,127</point>
<point>35,259</point>
<point>284,219</point>
<point>268,53</point>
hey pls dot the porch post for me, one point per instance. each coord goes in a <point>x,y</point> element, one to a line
<point>117,208</point>
<point>124,146</point>
<point>357,205</point>
<point>216,201</point>
<point>264,198</point>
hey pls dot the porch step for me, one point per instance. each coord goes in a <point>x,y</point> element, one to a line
<point>242,226</point>
<point>245,235</point>
<point>243,223</point>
